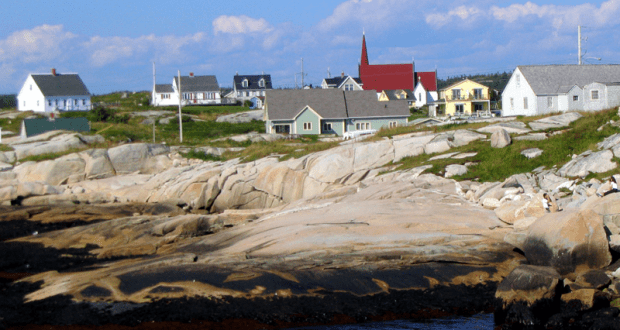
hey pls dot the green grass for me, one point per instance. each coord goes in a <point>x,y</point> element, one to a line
<point>53,155</point>
<point>498,164</point>
<point>193,154</point>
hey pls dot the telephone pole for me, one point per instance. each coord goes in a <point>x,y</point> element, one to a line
<point>579,42</point>
<point>180,105</point>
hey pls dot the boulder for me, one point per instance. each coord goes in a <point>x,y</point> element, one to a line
<point>241,117</point>
<point>531,137</point>
<point>455,169</point>
<point>512,211</point>
<point>589,162</point>
<point>500,139</point>
<point>609,142</point>
<point>512,127</point>
<point>586,297</point>
<point>97,164</point>
<point>532,152</point>
<point>593,279</point>
<point>569,241</point>
<point>528,284</point>
<point>54,172</point>
<point>558,121</point>
<point>130,158</point>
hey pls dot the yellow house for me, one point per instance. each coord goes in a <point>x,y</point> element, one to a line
<point>466,97</point>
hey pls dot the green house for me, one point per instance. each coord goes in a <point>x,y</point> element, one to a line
<point>330,111</point>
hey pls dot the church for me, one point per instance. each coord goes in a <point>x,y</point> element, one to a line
<point>382,77</point>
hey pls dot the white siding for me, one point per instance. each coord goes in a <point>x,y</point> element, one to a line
<point>590,104</point>
<point>613,96</point>
<point>575,105</point>
<point>563,102</point>
<point>517,89</point>
<point>30,97</point>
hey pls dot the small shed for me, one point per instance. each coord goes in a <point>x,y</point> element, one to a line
<point>36,126</point>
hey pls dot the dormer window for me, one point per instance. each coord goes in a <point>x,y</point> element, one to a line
<point>261,83</point>
<point>244,83</point>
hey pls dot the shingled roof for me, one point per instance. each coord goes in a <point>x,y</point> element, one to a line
<point>252,81</point>
<point>60,84</point>
<point>391,94</point>
<point>331,104</point>
<point>164,88</point>
<point>338,81</point>
<point>554,79</point>
<point>198,84</point>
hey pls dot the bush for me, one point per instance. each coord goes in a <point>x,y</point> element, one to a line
<point>247,103</point>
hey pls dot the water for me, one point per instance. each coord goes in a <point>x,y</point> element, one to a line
<point>477,322</point>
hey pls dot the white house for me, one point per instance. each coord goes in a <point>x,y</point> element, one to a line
<point>541,89</point>
<point>246,87</point>
<point>343,82</point>
<point>53,92</point>
<point>164,95</point>
<point>424,97</point>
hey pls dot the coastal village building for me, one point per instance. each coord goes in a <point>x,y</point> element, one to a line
<point>330,111</point>
<point>53,92</point>
<point>398,94</point>
<point>345,83</point>
<point>246,87</point>
<point>465,97</point>
<point>380,77</point>
<point>540,89</point>
<point>196,90</point>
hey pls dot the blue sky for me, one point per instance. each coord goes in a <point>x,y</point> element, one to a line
<point>112,44</point>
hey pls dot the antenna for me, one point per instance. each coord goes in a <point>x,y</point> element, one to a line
<point>581,55</point>
<point>329,74</point>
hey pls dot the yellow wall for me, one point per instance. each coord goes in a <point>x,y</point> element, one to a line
<point>467,96</point>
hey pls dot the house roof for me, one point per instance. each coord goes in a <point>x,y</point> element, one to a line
<point>385,76</point>
<point>252,81</point>
<point>198,84</point>
<point>164,88</point>
<point>338,81</point>
<point>36,126</point>
<point>553,79</point>
<point>60,84</point>
<point>428,80</point>
<point>462,81</point>
<point>330,104</point>
<point>391,94</point>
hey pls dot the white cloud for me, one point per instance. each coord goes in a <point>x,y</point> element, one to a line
<point>463,13</point>
<point>377,14</point>
<point>42,43</point>
<point>240,25</point>
<point>104,50</point>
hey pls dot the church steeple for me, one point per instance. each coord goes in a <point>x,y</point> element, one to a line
<point>364,60</point>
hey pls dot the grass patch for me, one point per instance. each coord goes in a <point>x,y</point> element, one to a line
<point>53,155</point>
<point>193,154</point>
<point>498,164</point>
<point>195,133</point>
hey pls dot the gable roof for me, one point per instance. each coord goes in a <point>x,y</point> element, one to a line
<point>36,126</point>
<point>60,84</point>
<point>331,104</point>
<point>164,88</point>
<point>462,81</point>
<point>428,80</point>
<point>252,81</point>
<point>198,84</point>
<point>391,94</point>
<point>554,79</point>
<point>338,81</point>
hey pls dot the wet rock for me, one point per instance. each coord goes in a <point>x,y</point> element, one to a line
<point>569,241</point>
<point>528,284</point>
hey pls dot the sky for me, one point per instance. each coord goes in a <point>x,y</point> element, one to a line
<point>113,44</point>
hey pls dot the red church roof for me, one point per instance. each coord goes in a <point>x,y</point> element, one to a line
<point>428,79</point>
<point>385,76</point>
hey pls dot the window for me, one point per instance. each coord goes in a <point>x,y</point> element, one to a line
<point>575,97</point>
<point>30,86</point>
<point>525,103</point>
<point>74,102</point>
<point>512,103</point>
<point>83,102</point>
<point>456,94</point>
<point>327,127</point>
<point>64,103</point>
<point>459,108</point>
<point>37,103</point>
<point>420,97</point>
<point>393,124</point>
<point>348,87</point>
<point>239,94</point>
<point>478,107</point>
<point>362,126</point>
<point>478,93</point>
<point>244,83</point>
<point>595,95</point>
<point>49,103</point>
<point>550,102</point>
<point>24,103</point>
<point>261,83</point>
<point>307,126</point>
<point>518,79</point>
<point>282,129</point>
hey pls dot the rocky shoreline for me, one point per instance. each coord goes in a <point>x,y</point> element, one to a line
<point>136,235</point>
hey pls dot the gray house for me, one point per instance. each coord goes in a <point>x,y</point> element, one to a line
<point>330,111</point>
<point>540,89</point>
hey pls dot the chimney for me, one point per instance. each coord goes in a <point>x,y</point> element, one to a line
<point>53,71</point>
<point>342,74</point>
<point>191,74</point>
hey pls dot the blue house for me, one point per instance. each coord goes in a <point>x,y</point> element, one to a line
<point>330,111</point>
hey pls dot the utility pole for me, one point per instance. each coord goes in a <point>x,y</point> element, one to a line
<point>154,82</point>
<point>579,42</point>
<point>302,73</point>
<point>180,105</point>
